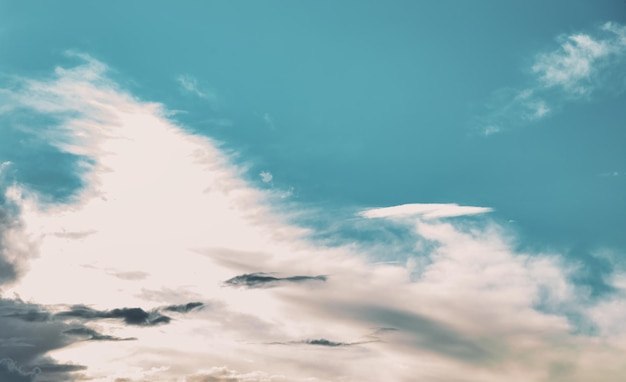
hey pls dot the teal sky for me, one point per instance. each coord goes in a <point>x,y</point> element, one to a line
<point>344,106</point>
<point>370,104</point>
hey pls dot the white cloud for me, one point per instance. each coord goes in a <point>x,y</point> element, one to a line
<point>582,64</point>
<point>427,211</point>
<point>266,176</point>
<point>572,63</point>
<point>575,65</point>
<point>170,206</point>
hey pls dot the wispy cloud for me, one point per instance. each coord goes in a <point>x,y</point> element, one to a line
<point>266,176</point>
<point>191,85</point>
<point>580,58</point>
<point>269,121</point>
<point>171,204</point>
<point>582,64</point>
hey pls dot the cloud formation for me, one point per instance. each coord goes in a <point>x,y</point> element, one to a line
<point>426,211</point>
<point>260,279</point>
<point>157,198</point>
<point>581,65</point>
<point>11,372</point>
<point>130,316</point>
<point>580,58</point>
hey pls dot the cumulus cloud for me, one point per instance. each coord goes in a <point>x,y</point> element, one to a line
<point>169,203</point>
<point>583,63</point>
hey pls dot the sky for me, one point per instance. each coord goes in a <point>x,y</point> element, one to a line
<point>238,191</point>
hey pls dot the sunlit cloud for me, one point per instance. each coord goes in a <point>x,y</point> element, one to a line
<point>168,265</point>
<point>427,211</point>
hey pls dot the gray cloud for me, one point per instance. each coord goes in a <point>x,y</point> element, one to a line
<point>130,316</point>
<point>11,372</point>
<point>24,340</point>
<point>8,272</point>
<point>260,279</point>
<point>322,342</point>
<point>60,368</point>
<point>93,335</point>
<point>184,308</point>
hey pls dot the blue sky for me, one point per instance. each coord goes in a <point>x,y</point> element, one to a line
<point>355,157</point>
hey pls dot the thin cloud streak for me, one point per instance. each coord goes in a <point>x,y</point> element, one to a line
<point>263,280</point>
<point>427,211</point>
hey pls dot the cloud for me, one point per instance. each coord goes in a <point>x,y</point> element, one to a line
<point>582,64</point>
<point>191,85</point>
<point>11,372</point>
<point>28,334</point>
<point>427,211</point>
<point>269,121</point>
<point>257,280</point>
<point>472,306</point>
<point>266,176</point>
<point>93,335</point>
<point>322,342</point>
<point>184,308</point>
<point>579,58</point>
<point>131,316</point>
<point>224,374</point>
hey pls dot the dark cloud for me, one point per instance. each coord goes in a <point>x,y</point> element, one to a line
<point>260,279</point>
<point>25,335</point>
<point>60,368</point>
<point>184,308</point>
<point>93,335</point>
<point>31,315</point>
<point>325,342</point>
<point>8,272</point>
<point>130,316</point>
<point>11,372</point>
<point>29,331</point>
<point>50,371</point>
